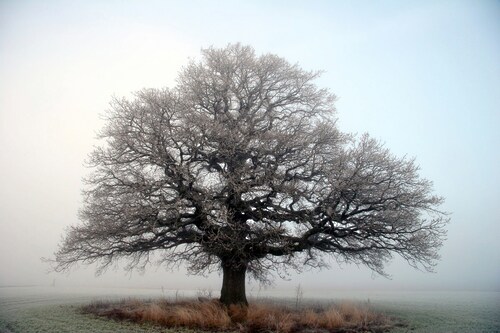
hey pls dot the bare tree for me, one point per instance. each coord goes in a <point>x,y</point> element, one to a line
<point>241,168</point>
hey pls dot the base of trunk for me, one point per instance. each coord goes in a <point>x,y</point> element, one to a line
<point>233,285</point>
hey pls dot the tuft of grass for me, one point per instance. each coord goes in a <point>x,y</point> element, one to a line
<point>265,317</point>
<point>310,318</point>
<point>352,313</point>
<point>206,315</point>
<point>331,318</point>
<point>153,313</point>
<point>237,313</point>
<point>256,318</point>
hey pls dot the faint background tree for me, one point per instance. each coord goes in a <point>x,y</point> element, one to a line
<point>241,168</point>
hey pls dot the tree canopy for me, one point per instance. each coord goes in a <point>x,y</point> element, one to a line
<point>241,168</point>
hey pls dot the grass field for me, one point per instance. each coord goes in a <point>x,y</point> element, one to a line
<point>30,310</point>
<point>65,318</point>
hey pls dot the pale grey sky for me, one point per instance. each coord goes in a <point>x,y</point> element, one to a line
<point>422,76</point>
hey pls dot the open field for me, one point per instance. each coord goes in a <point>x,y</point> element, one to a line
<point>26,310</point>
<point>36,309</point>
<point>443,312</point>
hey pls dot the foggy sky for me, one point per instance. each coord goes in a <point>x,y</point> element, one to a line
<point>422,76</point>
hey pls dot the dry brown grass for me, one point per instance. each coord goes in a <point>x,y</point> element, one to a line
<point>256,318</point>
<point>331,318</point>
<point>207,315</point>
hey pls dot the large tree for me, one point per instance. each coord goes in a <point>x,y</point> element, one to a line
<point>241,168</point>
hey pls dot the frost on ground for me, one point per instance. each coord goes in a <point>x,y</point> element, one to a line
<point>64,319</point>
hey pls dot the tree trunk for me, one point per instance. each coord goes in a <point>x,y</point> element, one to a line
<point>233,284</point>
